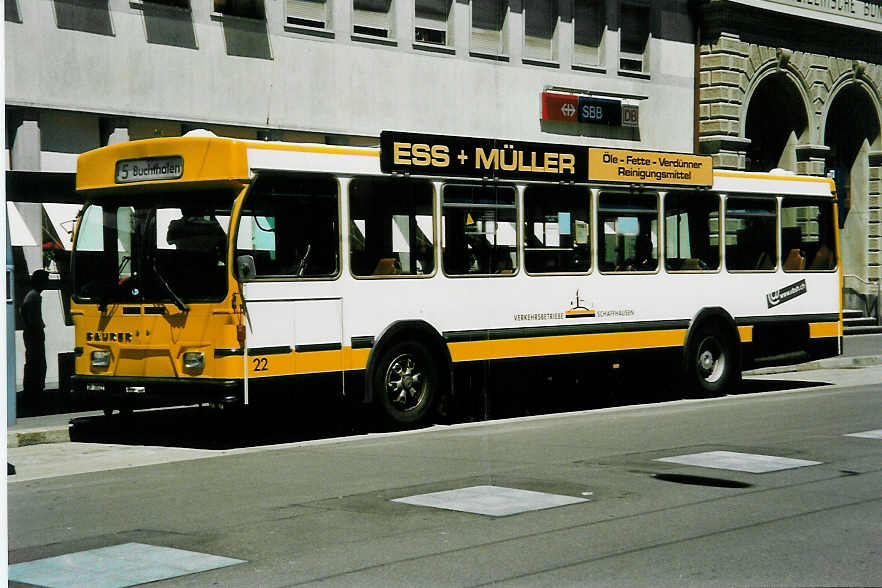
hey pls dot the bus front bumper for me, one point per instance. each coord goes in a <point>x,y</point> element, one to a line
<point>114,391</point>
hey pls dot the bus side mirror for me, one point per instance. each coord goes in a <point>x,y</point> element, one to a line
<point>245,269</point>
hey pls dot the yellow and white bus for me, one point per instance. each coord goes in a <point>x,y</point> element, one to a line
<point>209,269</point>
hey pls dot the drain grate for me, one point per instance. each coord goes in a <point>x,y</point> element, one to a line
<point>739,462</point>
<point>494,501</point>
<point>127,564</point>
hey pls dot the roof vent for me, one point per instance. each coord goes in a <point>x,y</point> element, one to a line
<point>199,133</point>
<point>782,172</point>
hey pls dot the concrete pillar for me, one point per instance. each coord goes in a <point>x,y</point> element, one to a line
<point>874,257</point>
<point>728,151</point>
<point>26,141</point>
<point>403,22</point>
<point>721,97</point>
<point>342,18</point>
<point>513,44</point>
<point>811,160</point>
<point>116,130</point>
<point>462,26</point>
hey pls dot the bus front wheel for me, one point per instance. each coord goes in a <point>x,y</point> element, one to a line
<point>406,383</point>
<point>712,368</point>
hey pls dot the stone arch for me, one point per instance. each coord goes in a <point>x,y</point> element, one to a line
<point>775,117</point>
<point>851,127</point>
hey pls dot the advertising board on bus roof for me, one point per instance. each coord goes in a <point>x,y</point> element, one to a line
<point>649,167</point>
<point>469,157</point>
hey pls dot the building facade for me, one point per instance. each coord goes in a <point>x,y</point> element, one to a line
<point>758,84</point>
<point>797,84</point>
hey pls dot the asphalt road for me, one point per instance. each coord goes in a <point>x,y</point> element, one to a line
<point>320,512</point>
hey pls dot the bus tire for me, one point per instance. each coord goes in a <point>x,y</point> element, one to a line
<point>712,367</point>
<point>406,383</point>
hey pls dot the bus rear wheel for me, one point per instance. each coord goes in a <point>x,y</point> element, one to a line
<point>712,368</point>
<point>406,383</point>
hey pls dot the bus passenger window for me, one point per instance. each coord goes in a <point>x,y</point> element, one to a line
<point>807,235</point>
<point>391,228</point>
<point>556,229</point>
<point>289,225</point>
<point>629,238</point>
<point>750,234</point>
<point>479,230</point>
<point>692,231</point>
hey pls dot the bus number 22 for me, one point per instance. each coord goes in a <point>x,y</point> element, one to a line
<point>260,364</point>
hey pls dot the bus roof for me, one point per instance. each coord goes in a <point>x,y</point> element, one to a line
<point>188,159</point>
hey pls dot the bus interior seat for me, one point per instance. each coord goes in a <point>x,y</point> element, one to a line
<point>386,266</point>
<point>795,261</point>
<point>765,261</point>
<point>690,264</point>
<point>823,259</point>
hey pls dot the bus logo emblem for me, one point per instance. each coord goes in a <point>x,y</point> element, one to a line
<point>786,293</point>
<point>579,311</point>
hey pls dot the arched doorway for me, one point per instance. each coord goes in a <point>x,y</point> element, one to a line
<point>776,122</point>
<point>852,131</point>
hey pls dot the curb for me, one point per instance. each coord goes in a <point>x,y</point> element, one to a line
<point>822,364</point>
<point>38,436</point>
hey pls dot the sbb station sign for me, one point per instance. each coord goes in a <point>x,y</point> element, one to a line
<point>588,110</point>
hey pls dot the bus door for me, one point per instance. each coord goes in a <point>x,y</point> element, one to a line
<point>288,241</point>
<point>292,335</point>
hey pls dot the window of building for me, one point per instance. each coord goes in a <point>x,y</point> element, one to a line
<point>307,13</point>
<point>489,27</point>
<point>12,15</point>
<point>432,21</point>
<point>241,8</point>
<point>540,29</point>
<point>87,16</point>
<point>629,242</point>
<point>479,230</point>
<point>391,227</point>
<point>808,240</point>
<point>374,18</point>
<point>750,234</point>
<point>289,226</point>
<point>634,37</point>
<point>557,235</point>
<point>692,231</point>
<point>185,4</point>
<point>589,26</point>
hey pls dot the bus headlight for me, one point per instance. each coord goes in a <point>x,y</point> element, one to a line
<point>194,360</point>
<point>100,359</point>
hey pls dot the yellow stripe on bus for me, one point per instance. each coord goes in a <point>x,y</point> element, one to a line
<point>817,330</point>
<point>347,359</point>
<point>564,344</point>
<point>766,176</point>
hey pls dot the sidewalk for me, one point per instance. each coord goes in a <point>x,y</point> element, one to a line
<point>54,428</point>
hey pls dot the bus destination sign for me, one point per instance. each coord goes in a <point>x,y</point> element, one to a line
<point>442,155</point>
<point>149,168</point>
<point>649,167</point>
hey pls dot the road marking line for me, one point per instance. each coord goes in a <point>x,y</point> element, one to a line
<point>877,434</point>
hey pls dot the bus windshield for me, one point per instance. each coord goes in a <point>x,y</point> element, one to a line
<point>168,248</point>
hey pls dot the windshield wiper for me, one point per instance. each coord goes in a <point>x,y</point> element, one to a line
<point>175,298</point>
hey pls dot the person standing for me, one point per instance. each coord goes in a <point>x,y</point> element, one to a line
<point>34,340</point>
